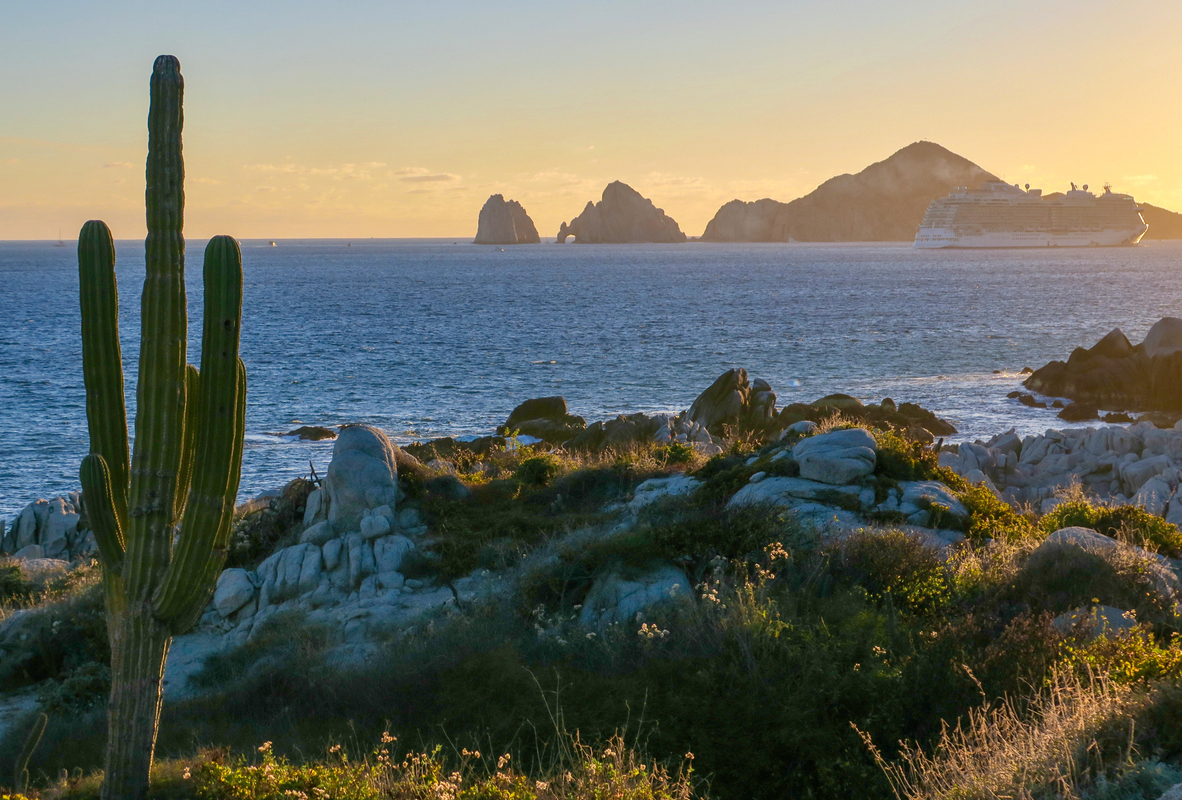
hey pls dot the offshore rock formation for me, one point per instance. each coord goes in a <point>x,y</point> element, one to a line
<point>622,216</point>
<point>884,202</point>
<point>732,401</point>
<point>505,222</point>
<point>1114,374</point>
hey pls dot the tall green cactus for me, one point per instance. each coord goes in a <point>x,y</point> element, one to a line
<point>185,467</point>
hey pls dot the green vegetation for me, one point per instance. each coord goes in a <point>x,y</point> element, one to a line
<point>1129,523</point>
<point>523,499</point>
<point>867,665</point>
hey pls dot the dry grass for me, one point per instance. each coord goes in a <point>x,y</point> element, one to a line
<point>1069,737</point>
<point>47,589</point>
<point>976,569</point>
<point>838,421</point>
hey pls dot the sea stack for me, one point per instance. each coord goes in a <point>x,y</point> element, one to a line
<point>505,222</point>
<point>622,216</point>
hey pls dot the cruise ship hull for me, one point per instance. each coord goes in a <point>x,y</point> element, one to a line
<point>942,238</point>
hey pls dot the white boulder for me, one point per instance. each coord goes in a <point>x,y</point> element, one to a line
<point>616,598</point>
<point>363,475</point>
<point>788,492</point>
<point>837,457</point>
<point>234,590</point>
<point>1153,496</point>
<point>318,534</point>
<point>656,489</point>
<point>926,493</point>
<point>389,551</point>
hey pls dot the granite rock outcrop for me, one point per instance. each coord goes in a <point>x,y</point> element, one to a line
<point>1115,374</point>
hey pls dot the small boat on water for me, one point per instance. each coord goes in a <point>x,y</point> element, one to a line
<point>272,243</point>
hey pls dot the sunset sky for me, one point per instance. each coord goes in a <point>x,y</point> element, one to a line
<point>393,119</point>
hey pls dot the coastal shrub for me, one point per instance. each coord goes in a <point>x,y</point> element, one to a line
<point>14,588</point>
<point>589,489</point>
<point>284,653</point>
<point>980,570</point>
<point>538,470</point>
<point>676,453</point>
<point>723,475</point>
<point>990,517</point>
<point>1126,522</point>
<point>575,771</point>
<point>901,459</point>
<point>84,688</point>
<point>500,510</point>
<point>1133,656</point>
<point>729,533</point>
<point>759,680</point>
<point>582,772</point>
<point>1063,578</point>
<point>893,564</point>
<point>68,634</point>
<point>1008,654</point>
<point>256,535</point>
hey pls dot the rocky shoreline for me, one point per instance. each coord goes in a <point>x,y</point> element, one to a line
<point>355,549</point>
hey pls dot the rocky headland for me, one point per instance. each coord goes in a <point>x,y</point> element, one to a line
<point>622,216</point>
<point>1117,375</point>
<point>882,203</point>
<point>1163,224</point>
<point>504,222</point>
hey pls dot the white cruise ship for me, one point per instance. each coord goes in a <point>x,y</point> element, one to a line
<point>1001,215</point>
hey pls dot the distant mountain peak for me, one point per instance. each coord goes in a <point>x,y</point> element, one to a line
<point>884,202</point>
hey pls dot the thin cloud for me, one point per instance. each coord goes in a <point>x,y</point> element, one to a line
<point>421,175</point>
<point>434,177</point>
<point>675,184</point>
<point>11,161</point>
<point>1140,178</point>
<point>117,165</point>
<point>340,173</point>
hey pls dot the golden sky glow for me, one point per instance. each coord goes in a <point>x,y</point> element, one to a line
<point>390,120</point>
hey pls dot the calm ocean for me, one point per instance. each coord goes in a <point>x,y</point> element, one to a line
<point>427,338</point>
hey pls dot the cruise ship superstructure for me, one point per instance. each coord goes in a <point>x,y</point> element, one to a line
<point>1003,215</point>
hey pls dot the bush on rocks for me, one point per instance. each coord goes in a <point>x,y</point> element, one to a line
<point>539,470</point>
<point>14,587</point>
<point>257,534</point>
<point>729,533</point>
<point>896,565</point>
<point>1061,577</point>
<point>1126,522</point>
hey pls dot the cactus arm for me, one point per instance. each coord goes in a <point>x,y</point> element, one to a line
<point>160,393</point>
<point>102,359</point>
<point>192,379</point>
<point>99,498</point>
<point>216,558</point>
<point>217,555</point>
<point>214,488</point>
